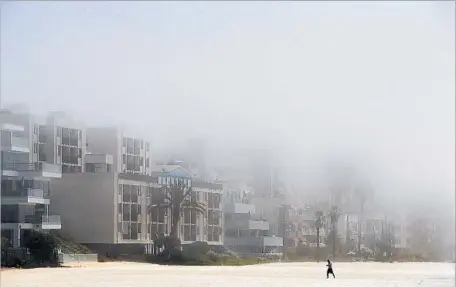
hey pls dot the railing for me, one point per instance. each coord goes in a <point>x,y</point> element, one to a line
<point>44,219</point>
<point>30,166</point>
<point>17,166</point>
<point>31,192</point>
<point>9,143</point>
<point>51,168</point>
<point>258,225</point>
<point>50,219</point>
<point>72,257</point>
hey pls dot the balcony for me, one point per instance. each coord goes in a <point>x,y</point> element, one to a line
<point>51,222</point>
<point>99,158</point>
<point>39,169</point>
<point>247,224</point>
<point>44,222</point>
<point>16,144</point>
<point>264,241</point>
<point>258,225</point>
<point>30,195</point>
<point>240,208</point>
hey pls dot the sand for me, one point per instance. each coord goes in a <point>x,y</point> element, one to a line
<point>268,275</point>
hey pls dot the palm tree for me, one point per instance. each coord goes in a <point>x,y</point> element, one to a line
<point>318,225</point>
<point>176,198</point>
<point>363,191</point>
<point>334,216</point>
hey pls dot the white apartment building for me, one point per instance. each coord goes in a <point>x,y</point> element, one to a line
<point>25,185</point>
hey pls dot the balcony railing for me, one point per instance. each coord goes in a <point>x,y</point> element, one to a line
<point>46,220</point>
<point>30,192</point>
<point>50,219</point>
<point>37,166</point>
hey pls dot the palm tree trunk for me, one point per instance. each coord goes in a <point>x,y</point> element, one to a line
<point>175,219</point>
<point>359,227</point>
<point>334,241</point>
<point>347,235</point>
<point>318,244</point>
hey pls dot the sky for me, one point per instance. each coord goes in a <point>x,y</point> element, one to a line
<point>370,81</point>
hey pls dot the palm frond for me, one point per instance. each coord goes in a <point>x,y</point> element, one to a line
<point>187,193</point>
<point>158,206</point>
<point>194,205</point>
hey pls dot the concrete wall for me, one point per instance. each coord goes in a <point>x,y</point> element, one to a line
<point>86,204</point>
<point>69,258</point>
<point>106,140</point>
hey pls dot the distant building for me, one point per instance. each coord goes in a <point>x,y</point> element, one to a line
<point>301,229</point>
<point>246,230</point>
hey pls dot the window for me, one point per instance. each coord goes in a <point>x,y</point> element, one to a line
<point>119,189</point>
<point>187,215</point>
<point>134,212</point>
<point>193,216</point>
<point>126,228</point>
<point>161,215</point>
<point>126,212</point>
<point>134,193</point>
<point>126,193</point>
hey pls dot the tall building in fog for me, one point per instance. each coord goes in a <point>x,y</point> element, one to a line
<point>196,157</point>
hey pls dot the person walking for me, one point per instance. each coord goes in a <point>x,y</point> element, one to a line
<point>330,270</point>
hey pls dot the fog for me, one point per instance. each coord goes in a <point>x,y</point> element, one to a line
<point>367,83</point>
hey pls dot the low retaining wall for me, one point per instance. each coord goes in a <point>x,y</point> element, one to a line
<point>66,258</point>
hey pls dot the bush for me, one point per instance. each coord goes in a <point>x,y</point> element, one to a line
<point>43,249</point>
<point>195,250</point>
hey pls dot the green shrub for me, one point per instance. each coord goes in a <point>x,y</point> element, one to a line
<point>43,249</point>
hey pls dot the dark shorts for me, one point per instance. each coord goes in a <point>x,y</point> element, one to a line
<point>330,271</point>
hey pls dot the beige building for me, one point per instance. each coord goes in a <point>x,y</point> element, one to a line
<point>108,210</point>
